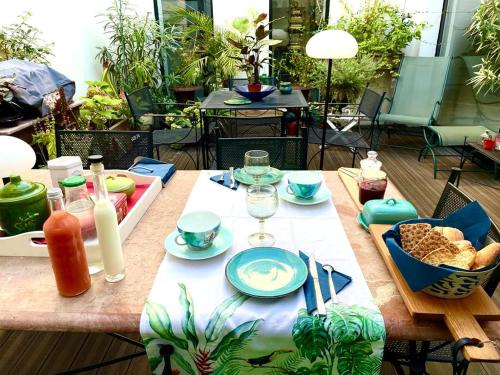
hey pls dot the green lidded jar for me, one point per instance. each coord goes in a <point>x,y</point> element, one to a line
<point>23,206</point>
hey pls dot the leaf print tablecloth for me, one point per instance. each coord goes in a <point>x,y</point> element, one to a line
<point>213,329</point>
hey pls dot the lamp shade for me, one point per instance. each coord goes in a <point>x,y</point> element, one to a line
<point>332,44</point>
<point>16,156</point>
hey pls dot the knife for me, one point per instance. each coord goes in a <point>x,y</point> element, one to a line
<point>231,177</point>
<point>320,304</point>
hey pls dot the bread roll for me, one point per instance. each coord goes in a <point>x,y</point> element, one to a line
<point>452,234</point>
<point>487,255</point>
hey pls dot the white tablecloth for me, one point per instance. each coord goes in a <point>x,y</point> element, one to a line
<point>311,229</point>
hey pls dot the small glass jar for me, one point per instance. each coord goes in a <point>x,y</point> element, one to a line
<point>372,182</point>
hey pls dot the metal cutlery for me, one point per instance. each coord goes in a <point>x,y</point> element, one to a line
<point>329,268</point>
<point>231,177</point>
<point>320,304</point>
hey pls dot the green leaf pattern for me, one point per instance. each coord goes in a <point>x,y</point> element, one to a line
<point>348,340</point>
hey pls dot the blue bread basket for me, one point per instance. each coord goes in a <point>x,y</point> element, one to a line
<point>444,281</point>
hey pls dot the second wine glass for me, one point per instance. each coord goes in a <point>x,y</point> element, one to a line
<point>262,203</point>
<point>257,164</point>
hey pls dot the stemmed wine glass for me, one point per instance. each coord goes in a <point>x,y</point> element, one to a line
<point>262,203</point>
<point>257,164</point>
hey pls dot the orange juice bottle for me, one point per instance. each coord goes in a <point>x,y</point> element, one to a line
<point>67,253</point>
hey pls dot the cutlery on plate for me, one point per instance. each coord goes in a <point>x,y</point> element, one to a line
<point>231,177</point>
<point>320,304</point>
<point>329,268</point>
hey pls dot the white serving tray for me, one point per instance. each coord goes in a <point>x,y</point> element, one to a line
<point>22,244</point>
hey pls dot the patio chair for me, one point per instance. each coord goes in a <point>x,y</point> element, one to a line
<point>119,148</point>
<point>265,123</point>
<point>368,108</point>
<point>418,93</point>
<point>415,354</point>
<point>286,153</point>
<point>162,119</point>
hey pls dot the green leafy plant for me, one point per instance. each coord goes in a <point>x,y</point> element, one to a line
<point>101,107</point>
<point>484,32</point>
<point>134,53</point>
<point>253,36</point>
<point>301,69</point>
<point>202,53</point>
<point>381,30</point>
<point>22,41</point>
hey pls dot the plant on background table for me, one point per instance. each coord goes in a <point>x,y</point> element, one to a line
<point>485,36</point>
<point>22,41</point>
<point>382,30</point>
<point>252,38</point>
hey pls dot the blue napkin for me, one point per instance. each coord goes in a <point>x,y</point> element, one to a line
<point>226,182</point>
<point>153,167</point>
<point>340,281</point>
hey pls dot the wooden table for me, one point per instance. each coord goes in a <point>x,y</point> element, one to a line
<point>493,155</point>
<point>29,299</point>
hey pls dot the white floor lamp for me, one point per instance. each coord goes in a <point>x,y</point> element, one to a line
<point>329,45</point>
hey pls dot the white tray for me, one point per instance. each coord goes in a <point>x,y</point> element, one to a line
<point>22,244</point>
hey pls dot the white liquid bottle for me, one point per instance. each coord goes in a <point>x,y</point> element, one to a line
<point>106,224</point>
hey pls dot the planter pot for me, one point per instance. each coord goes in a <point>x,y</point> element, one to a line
<point>185,93</point>
<point>254,87</point>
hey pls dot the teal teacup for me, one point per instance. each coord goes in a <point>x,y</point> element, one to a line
<point>304,184</point>
<point>197,229</point>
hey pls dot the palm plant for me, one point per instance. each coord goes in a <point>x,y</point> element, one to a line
<point>484,31</point>
<point>203,53</point>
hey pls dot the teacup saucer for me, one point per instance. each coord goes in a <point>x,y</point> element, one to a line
<point>221,243</point>
<point>321,196</point>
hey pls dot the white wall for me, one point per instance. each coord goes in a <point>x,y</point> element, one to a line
<point>75,31</point>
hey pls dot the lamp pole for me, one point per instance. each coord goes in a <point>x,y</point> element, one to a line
<point>325,114</point>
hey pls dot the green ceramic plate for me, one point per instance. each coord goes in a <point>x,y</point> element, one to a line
<point>266,272</point>
<point>221,243</point>
<point>237,101</point>
<point>320,197</point>
<point>361,221</point>
<point>272,177</point>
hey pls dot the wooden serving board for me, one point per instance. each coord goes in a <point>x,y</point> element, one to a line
<point>460,315</point>
<point>347,177</point>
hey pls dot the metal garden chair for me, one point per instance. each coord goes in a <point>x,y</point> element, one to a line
<point>368,108</point>
<point>119,148</point>
<point>415,354</point>
<point>163,120</point>
<point>286,153</point>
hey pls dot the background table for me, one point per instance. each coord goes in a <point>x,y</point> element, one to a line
<point>29,298</point>
<point>215,101</point>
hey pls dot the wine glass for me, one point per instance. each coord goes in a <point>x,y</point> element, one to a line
<point>257,164</point>
<point>262,203</point>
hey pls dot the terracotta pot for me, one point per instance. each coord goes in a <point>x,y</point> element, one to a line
<point>185,93</point>
<point>254,87</point>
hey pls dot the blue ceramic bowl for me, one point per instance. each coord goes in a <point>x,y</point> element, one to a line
<point>443,281</point>
<point>197,229</point>
<point>255,96</point>
<point>304,184</point>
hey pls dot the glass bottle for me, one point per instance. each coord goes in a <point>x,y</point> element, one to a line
<point>372,181</point>
<point>79,204</point>
<point>64,242</point>
<point>106,224</point>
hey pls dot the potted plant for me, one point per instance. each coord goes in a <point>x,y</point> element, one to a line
<point>253,36</point>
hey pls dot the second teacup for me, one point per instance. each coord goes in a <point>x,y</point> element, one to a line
<point>304,184</point>
<point>198,229</point>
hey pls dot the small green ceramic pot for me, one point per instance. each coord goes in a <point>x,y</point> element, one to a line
<point>120,184</point>
<point>23,206</point>
<point>285,88</point>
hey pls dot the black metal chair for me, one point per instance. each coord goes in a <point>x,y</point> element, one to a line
<point>286,153</point>
<point>415,354</point>
<point>119,148</point>
<point>243,124</point>
<point>342,136</point>
<point>162,119</point>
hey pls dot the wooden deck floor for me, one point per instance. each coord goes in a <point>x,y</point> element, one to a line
<point>53,352</point>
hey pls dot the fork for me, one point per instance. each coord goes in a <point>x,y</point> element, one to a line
<point>329,268</point>
<point>231,177</point>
